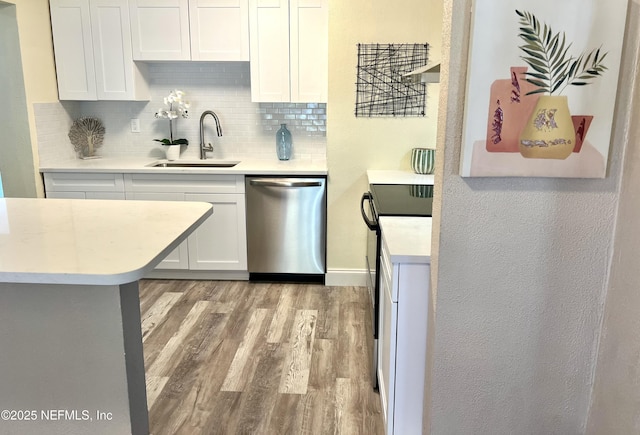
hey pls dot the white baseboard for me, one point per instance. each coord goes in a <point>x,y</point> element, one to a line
<point>333,277</point>
<point>346,277</point>
<point>198,275</point>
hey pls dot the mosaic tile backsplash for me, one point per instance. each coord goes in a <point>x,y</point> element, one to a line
<point>248,128</point>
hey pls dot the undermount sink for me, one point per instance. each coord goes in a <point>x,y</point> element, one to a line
<point>197,164</point>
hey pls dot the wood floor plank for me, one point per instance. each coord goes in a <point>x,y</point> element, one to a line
<point>283,315</point>
<point>295,377</point>
<point>325,300</point>
<point>259,396</point>
<point>201,369</point>
<point>155,384</point>
<point>158,312</point>
<point>244,363</point>
<point>322,373</point>
<point>165,362</point>
<point>256,338</point>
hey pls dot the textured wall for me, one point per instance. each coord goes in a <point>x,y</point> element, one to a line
<point>615,405</point>
<point>357,144</point>
<point>522,270</point>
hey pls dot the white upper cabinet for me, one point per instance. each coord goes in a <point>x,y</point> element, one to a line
<point>288,40</point>
<point>308,49</point>
<point>73,47</point>
<point>92,46</point>
<point>215,30</point>
<point>160,29</point>
<point>269,33</point>
<point>219,30</point>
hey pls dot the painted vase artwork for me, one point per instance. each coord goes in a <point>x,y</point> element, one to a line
<point>543,104</point>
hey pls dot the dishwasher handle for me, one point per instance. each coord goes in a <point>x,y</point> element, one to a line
<point>274,182</point>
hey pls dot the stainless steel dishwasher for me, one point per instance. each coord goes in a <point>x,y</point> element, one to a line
<point>286,228</point>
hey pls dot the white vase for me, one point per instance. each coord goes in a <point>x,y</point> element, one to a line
<point>172,152</point>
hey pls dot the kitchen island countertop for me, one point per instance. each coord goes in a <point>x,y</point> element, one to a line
<point>66,241</point>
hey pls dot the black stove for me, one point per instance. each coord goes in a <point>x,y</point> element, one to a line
<point>387,200</point>
<point>402,199</point>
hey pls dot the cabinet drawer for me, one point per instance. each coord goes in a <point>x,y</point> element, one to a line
<point>185,183</point>
<point>74,182</point>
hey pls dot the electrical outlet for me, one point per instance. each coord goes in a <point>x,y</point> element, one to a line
<point>135,125</point>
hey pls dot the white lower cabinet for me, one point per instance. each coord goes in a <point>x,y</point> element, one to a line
<point>220,242</point>
<point>402,347</point>
<point>218,245</point>
<point>76,185</point>
<point>178,258</point>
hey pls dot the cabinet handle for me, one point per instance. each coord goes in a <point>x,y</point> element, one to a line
<point>284,183</point>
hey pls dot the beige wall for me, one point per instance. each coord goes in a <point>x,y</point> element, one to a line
<point>357,144</point>
<point>38,67</point>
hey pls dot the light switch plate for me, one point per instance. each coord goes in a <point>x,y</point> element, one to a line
<point>135,125</point>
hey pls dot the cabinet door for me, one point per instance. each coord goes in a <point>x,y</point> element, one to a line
<point>220,243</point>
<point>219,30</point>
<point>111,33</point>
<point>160,29</point>
<point>66,195</point>
<point>104,195</point>
<point>72,43</point>
<point>309,40</point>
<point>179,257</point>
<point>387,350</point>
<point>269,48</point>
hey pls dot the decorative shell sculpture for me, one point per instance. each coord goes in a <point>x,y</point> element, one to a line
<point>86,134</point>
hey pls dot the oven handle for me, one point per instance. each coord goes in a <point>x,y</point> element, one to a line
<point>371,224</point>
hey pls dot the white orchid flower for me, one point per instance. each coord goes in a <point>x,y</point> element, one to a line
<point>177,107</point>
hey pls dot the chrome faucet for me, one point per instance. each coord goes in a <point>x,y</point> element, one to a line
<point>204,148</point>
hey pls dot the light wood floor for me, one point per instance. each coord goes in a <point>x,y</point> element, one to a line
<point>233,357</point>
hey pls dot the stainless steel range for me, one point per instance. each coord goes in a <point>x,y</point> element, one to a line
<point>387,200</point>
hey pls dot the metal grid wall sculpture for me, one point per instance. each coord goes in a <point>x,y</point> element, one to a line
<point>381,88</point>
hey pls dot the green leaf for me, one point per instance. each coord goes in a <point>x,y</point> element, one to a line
<point>586,61</point>
<point>579,83</point>
<point>537,83</point>
<point>534,54</point>
<point>529,38</point>
<point>551,52</point>
<point>536,75</point>
<point>562,53</point>
<point>536,65</point>
<point>537,91</point>
<point>547,32</point>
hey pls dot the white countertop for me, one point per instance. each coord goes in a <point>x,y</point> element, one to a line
<point>141,165</point>
<point>408,239</point>
<point>397,177</point>
<point>95,242</point>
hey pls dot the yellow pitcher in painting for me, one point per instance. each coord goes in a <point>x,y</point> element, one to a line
<point>549,132</point>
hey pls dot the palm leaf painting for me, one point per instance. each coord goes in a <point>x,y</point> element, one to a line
<point>546,52</point>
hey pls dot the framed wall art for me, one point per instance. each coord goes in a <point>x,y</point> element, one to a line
<point>541,86</point>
